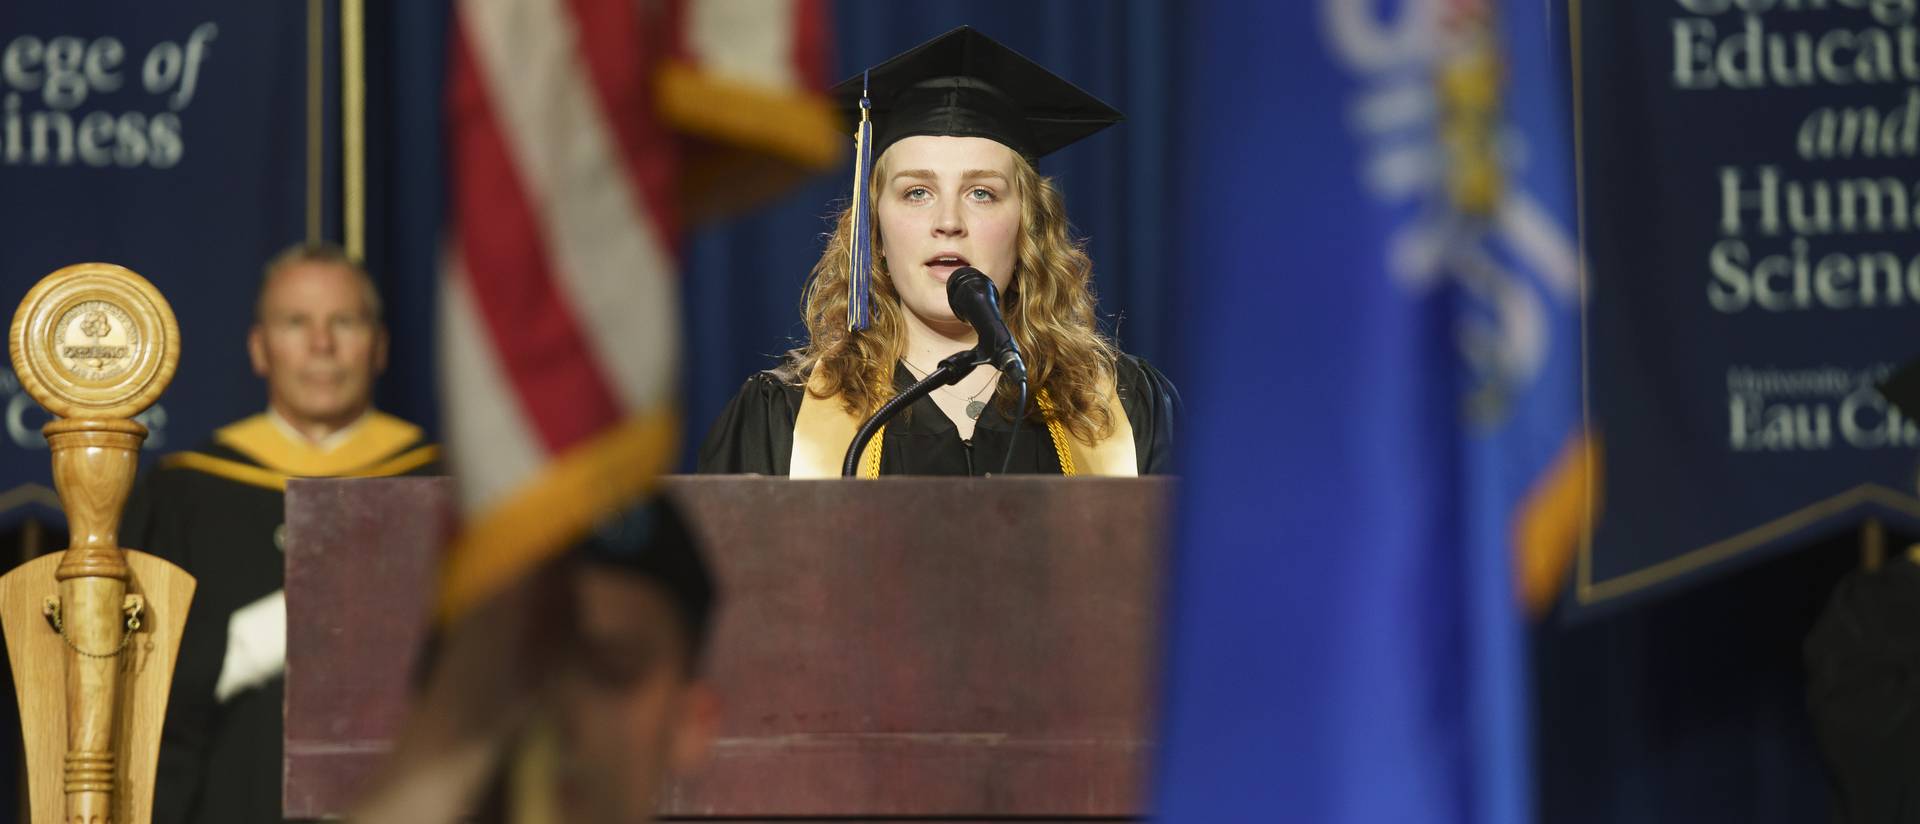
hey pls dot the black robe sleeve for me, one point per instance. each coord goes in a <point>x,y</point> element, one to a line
<point>1150,402</point>
<point>754,435</point>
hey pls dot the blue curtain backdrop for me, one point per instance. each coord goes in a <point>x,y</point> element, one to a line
<point>742,278</point>
<point>1690,708</point>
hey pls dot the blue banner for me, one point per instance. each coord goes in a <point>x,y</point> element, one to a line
<point>170,138</point>
<point>1751,217</point>
<point>1381,378</point>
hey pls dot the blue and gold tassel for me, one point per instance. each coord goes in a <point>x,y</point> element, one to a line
<point>860,266</point>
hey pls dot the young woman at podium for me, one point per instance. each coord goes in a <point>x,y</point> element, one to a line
<point>951,129</point>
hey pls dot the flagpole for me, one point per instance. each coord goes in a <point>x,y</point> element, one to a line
<point>353,126</point>
<point>316,41</point>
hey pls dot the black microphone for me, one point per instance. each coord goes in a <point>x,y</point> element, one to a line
<point>974,299</point>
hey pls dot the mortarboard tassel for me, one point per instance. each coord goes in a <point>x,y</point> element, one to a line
<point>860,272</point>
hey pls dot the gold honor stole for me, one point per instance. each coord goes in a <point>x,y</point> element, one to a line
<point>823,430</point>
<point>377,448</point>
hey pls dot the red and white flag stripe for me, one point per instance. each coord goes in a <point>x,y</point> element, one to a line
<point>560,309</point>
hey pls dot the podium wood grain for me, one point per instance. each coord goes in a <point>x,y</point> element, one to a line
<point>361,559</point>
<point>946,648</point>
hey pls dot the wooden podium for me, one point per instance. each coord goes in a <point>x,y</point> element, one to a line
<point>878,654</point>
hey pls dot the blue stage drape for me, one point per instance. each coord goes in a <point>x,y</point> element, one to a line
<point>406,194</point>
<point>1691,708</point>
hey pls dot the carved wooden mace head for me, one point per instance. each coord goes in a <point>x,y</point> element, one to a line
<point>94,340</point>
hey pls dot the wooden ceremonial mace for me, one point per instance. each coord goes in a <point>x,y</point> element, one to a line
<point>92,632</point>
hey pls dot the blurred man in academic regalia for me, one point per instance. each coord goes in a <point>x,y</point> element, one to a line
<point>217,512</point>
<point>1863,668</point>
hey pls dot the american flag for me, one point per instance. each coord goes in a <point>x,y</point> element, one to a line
<point>571,127</point>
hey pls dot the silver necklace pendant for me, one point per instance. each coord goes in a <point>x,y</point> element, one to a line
<point>974,408</point>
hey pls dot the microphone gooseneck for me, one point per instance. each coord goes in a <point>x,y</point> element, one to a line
<point>974,299</point>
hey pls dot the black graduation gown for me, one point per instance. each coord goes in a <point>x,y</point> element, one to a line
<point>755,433</point>
<point>215,513</point>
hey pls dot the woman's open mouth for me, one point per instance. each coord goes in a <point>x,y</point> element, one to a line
<point>943,265</point>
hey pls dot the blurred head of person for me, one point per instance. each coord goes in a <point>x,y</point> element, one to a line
<point>631,708</point>
<point>317,338</point>
<point>575,694</point>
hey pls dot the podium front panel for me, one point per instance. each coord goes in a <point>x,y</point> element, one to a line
<point>362,560</point>
<point>912,648</point>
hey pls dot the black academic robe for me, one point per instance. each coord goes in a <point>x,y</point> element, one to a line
<point>1863,692</point>
<point>218,512</point>
<point>755,433</point>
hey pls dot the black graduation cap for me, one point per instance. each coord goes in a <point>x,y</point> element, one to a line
<point>654,541</point>
<point>966,84</point>
<point>1902,389</point>
<point>960,84</point>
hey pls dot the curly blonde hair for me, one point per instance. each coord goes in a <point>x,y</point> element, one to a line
<point>1049,307</point>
